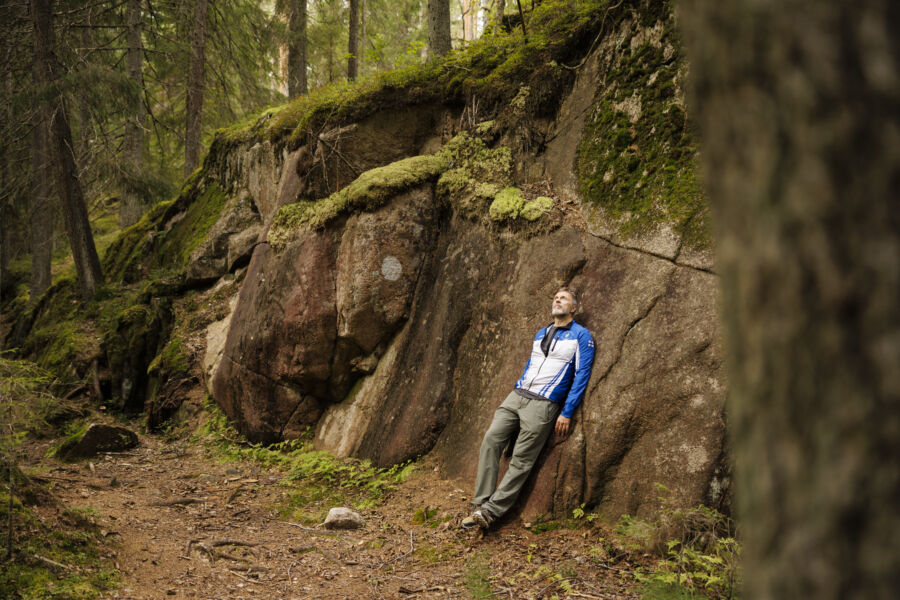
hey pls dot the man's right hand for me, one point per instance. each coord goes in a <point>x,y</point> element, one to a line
<point>562,426</point>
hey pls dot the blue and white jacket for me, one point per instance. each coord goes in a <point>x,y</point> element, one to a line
<point>562,375</point>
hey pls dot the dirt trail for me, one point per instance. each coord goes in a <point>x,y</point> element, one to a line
<point>180,524</point>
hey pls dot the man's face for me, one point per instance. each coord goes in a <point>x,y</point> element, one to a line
<point>563,304</point>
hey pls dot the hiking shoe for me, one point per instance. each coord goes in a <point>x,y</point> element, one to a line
<point>479,518</point>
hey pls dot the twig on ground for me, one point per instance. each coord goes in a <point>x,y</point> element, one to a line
<point>55,566</point>
<point>178,502</point>
<point>240,512</point>
<point>234,494</point>
<point>218,543</point>
<point>405,554</point>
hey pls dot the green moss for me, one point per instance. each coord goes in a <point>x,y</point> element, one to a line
<point>535,209</point>
<point>74,432</point>
<point>128,253</point>
<point>644,173</point>
<point>369,191</point>
<point>70,540</point>
<point>172,359</point>
<point>191,230</point>
<point>494,68</point>
<point>507,205</point>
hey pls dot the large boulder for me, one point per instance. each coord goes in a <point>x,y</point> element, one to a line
<point>96,439</point>
<point>317,315</point>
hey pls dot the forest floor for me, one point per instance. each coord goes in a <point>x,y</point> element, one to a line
<point>177,520</point>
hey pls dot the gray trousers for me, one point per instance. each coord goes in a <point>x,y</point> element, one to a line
<point>535,420</point>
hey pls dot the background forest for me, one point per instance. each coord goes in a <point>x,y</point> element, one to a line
<point>143,84</point>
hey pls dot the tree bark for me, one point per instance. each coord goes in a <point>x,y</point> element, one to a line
<point>439,27</point>
<point>6,192</point>
<point>297,85</point>
<point>798,103</point>
<point>353,42</point>
<point>133,202</point>
<point>78,229</point>
<point>195,89</point>
<point>40,211</point>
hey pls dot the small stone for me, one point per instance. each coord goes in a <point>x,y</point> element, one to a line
<point>343,518</point>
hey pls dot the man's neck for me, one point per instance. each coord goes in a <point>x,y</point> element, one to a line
<point>562,321</point>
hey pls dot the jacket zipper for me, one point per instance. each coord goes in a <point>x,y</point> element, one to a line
<point>536,373</point>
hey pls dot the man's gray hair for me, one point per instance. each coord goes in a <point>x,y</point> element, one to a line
<point>569,290</point>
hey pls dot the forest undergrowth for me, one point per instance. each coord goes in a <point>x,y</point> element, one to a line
<point>196,511</point>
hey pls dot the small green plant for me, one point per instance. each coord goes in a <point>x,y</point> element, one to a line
<point>699,553</point>
<point>315,479</point>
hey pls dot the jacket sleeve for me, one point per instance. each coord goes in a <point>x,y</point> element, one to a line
<point>584,360</point>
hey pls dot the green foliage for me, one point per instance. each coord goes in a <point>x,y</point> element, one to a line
<point>494,68</point>
<point>26,404</point>
<point>315,480</point>
<point>72,542</point>
<point>698,552</point>
<point>477,575</point>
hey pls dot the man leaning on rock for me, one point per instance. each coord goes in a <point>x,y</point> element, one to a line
<point>547,394</point>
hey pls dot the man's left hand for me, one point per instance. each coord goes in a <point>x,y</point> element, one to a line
<point>562,426</point>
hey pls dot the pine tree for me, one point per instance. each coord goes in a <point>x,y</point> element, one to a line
<point>439,27</point>
<point>87,264</point>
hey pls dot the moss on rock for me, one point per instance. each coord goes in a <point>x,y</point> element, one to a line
<point>638,161</point>
<point>511,204</point>
<point>535,209</point>
<point>369,191</point>
<point>507,205</point>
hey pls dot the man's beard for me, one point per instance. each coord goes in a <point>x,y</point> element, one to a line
<point>558,312</point>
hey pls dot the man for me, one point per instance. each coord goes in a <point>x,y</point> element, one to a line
<point>553,383</point>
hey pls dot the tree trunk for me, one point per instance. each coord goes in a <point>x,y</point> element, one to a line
<point>133,202</point>
<point>439,27</point>
<point>297,85</point>
<point>362,23</point>
<point>6,193</point>
<point>353,42</point>
<point>40,210</point>
<point>87,264</point>
<point>798,103</point>
<point>195,88</point>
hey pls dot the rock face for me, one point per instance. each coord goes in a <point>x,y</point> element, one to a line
<point>396,331</point>
<point>432,328</point>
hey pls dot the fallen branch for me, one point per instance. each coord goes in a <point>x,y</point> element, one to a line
<point>54,566</point>
<point>178,502</point>
<point>218,543</point>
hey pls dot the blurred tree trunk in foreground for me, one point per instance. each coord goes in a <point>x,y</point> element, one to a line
<point>799,108</point>
<point>78,229</point>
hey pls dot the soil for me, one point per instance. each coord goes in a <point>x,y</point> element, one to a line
<point>178,523</point>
